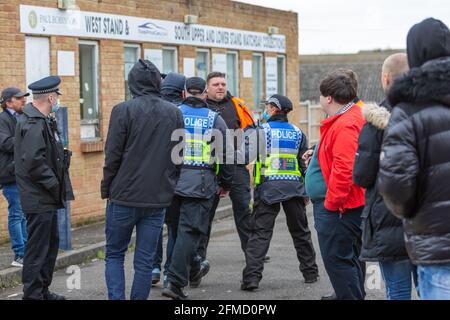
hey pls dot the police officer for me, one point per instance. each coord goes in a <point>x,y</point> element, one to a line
<point>279,172</point>
<point>40,175</point>
<point>238,118</point>
<point>198,184</point>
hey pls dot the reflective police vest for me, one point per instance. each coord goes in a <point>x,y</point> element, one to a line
<point>282,146</point>
<point>198,124</point>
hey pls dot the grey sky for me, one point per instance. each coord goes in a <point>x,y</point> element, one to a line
<point>347,26</point>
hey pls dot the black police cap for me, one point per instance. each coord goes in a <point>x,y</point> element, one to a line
<point>281,102</point>
<point>46,85</point>
<point>195,85</point>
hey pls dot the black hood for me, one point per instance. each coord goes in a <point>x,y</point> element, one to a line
<point>172,87</point>
<point>427,40</point>
<point>429,83</point>
<point>173,82</point>
<point>144,79</point>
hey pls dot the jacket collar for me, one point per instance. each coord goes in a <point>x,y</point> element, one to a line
<point>428,83</point>
<point>278,118</point>
<point>377,116</point>
<point>195,102</point>
<point>32,112</point>
<point>329,121</point>
<point>9,114</point>
<point>227,98</point>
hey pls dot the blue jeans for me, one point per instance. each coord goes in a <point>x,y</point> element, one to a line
<point>434,282</point>
<point>398,277</point>
<point>17,223</point>
<point>120,222</point>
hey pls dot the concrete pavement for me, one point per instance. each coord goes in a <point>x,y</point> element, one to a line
<point>281,277</point>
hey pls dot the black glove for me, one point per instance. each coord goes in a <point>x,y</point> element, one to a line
<point>67,157</point>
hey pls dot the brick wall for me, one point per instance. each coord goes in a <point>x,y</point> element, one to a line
<point>86,170</point>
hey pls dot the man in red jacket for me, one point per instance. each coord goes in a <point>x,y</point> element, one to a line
<point>338,217</point>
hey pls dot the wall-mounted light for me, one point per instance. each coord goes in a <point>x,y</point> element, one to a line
<point>273,30</point>
<point>67,4</point>
<point>190,19</point>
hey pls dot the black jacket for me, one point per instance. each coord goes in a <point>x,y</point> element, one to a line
<point>39,163</point>
<point>271,192</point>
<point>383,236</point>
<point>203,183</point>
<point>7,130</point>
<point>415,160</point>
<point>227,110</point>
<point>138,170</point>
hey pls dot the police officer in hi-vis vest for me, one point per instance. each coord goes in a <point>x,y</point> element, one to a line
<point>200,180</point>
<point>279,173</point>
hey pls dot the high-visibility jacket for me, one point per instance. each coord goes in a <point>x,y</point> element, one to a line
<point>280,162</point>
<point>244,114</point>
<point>198,123</point>
<point>358,102</point>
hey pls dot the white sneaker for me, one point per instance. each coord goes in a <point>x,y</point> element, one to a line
<point>18,262</point>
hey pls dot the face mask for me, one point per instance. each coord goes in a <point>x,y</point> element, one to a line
<point>56,107</point>
<point>265,115</point>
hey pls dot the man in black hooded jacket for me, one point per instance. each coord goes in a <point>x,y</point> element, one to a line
<point>139,178</point>
<point>415,158</point>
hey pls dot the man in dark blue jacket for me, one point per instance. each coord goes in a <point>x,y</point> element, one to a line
<point>41,168</point>
<point>12,101</point>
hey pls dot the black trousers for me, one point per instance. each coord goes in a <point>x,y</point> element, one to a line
<point>40,254</point>
<point>173,214</point>
<point>340,244</point>
<point>263,221</point>
<point>240,195</point>
<point>194,217</point>
<point>171,219</point>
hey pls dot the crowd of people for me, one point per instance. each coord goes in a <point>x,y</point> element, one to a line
<point>376,179</point>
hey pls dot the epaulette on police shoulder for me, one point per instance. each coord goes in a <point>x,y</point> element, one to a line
<point>31,120</point>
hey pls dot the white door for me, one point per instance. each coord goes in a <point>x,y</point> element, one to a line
<point>37,58</point>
